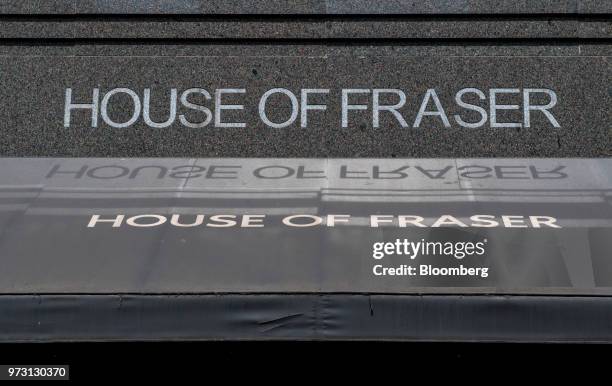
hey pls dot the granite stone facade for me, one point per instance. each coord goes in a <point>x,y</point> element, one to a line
<point>48,47</point>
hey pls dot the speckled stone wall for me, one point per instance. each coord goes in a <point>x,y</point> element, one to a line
<point>47,47</point>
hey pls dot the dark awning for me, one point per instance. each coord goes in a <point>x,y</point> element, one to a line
<point>148,249</point>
